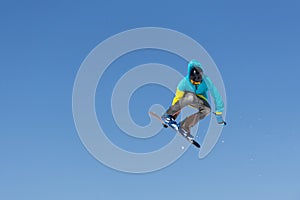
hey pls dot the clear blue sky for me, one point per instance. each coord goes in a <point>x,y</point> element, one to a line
<point>255,44</point>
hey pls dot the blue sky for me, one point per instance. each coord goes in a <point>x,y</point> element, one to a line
<point>255,46</point>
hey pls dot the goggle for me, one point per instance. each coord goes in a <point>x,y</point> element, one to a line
<point>195,83</point>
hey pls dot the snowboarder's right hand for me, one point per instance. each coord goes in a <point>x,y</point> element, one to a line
<point>167,120</point>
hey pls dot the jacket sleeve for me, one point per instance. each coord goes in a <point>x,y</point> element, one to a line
<point>181,88</point>
<point>179,94</point>
<point>215,94</point>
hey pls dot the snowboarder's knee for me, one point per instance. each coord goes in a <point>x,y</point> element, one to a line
<point>189,97</point>
<point>206,111</point>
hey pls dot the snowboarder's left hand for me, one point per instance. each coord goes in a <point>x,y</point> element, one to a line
<point>219,118</point>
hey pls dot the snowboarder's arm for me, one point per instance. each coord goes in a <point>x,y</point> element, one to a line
<point>215,94</point>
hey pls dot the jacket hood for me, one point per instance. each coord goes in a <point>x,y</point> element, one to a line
<point>193,63</point>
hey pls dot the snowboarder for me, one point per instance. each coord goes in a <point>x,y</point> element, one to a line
<point>192,91</point>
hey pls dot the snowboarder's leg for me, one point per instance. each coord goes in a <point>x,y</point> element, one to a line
<point>188,98</point>
<point>190,121</point>
<point>174,110</point>
<point>204,110</point>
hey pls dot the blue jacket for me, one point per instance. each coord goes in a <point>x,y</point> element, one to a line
<point>200,90</point>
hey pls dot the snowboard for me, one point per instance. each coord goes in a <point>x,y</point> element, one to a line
<point>174,125</point>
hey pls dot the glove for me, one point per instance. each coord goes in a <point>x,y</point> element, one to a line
<point>220,118</point>
<point>167,119</point>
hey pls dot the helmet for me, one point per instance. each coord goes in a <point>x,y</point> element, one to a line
<point>196,75</point>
